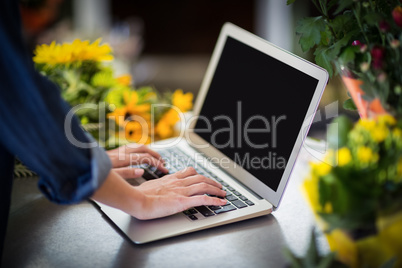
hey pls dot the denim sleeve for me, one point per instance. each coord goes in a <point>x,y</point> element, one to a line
<point>32,122</point>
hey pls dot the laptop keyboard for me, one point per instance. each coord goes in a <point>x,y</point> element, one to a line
<point>177,160</point>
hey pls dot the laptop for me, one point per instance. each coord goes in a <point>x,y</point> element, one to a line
<point>250,118</point>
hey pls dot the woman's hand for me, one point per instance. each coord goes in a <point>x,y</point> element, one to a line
<point>161,197</point>
<point>179,191</point>
<point>124,157</point>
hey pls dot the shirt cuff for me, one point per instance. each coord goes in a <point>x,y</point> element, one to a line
<point>100,169</point>
<point>80,188</point>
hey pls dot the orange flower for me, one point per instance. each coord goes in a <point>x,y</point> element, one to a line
<point>182,101</point>
<point>125,80</point>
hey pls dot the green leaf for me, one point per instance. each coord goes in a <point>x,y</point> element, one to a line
<point>289,2</point>
<point>341,23</point>
<point>343,4</point>
<point>349,54</point>
<point>324,58</point>
<point>310,29</point>
<point>372,18</point>
<point>349,105</point>
<point>368,88</point>
<point>295,262</point>
<point>312,256</point>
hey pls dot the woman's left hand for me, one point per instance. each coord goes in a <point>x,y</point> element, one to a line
<point>124,157</point>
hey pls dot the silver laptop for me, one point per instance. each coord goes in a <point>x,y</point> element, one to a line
<point>252,113</point>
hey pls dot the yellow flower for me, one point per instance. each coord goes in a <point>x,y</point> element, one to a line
<point>133,107</point>
<point>397,133</point>
<point>366,155</point>
<point>184,102</point>
<point>344,156</point>
<point>119,115</point>
<point>367,124</point>
<point>163,129</point>
<point>72,52</point>
<point>379,133</point>
<point>137,132</point>
<point>320,169</point>
<point>386,120</point>
<point>124,80</point>
<point>310,192</point>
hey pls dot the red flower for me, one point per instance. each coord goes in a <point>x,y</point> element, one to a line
<point>384,26</point>
<point>378,54</point>
<point>397,15</point>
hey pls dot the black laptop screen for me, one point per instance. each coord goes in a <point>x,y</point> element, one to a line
<point>254,110</point>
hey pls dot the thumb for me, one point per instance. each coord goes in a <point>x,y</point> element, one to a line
<point>129,172</point>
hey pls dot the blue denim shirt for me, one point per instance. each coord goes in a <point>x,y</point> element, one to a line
<point>32,117</point>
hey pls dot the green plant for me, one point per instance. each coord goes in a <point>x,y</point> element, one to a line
<point>360,179</point>
<point>363,40</point>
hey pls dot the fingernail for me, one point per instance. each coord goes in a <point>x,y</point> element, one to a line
<point>138,172</point>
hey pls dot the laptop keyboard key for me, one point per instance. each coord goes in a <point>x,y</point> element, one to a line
<point>242,197</point>
<point>231,198</point>
<point>193,217</point>
<point>248,202</point>
<point>236,193</point>
<point>239,204</point>
<point>204,211</point>
<point>225,209</point>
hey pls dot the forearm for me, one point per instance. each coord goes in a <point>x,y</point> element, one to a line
<point>118,193</point>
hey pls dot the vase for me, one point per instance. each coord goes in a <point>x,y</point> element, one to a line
<point>365,108</point>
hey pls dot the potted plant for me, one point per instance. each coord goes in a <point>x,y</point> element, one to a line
<point>356,191</point>
<point>360,40</point>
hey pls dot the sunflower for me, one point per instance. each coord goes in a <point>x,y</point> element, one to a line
<point>137,132</point>
<point>77,51</point>
<point>182,101</point>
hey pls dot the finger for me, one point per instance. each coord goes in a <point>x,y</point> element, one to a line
<point>189,171</point>
<point>203,200</point>
<point>200,179</point>
<point>136,148</point>
<point>129,172</point>
<point>204,188</point>
<point>145,158</point>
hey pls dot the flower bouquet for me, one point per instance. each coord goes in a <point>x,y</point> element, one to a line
<point>356,191</point>
<point>362,39</point>
<point>110,107</point>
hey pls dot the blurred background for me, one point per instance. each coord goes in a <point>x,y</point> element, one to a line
<point>168,44</point>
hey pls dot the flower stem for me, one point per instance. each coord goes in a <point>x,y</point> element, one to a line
<point>359,23</point>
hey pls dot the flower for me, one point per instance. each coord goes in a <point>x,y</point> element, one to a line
<point>135,106</point>
<point>377,53</point>
<point>344,156</point>
<point>130,113</point>
<point>359,40</point>
<point>181,103</point>
<point>397,15</point>
<point>366,155</point>
<point>125,80</point>
<point>77,51</point>
<point>184,102</point>
<point>368,168</point>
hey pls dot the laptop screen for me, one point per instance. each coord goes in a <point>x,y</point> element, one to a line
<point>254,110</point>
